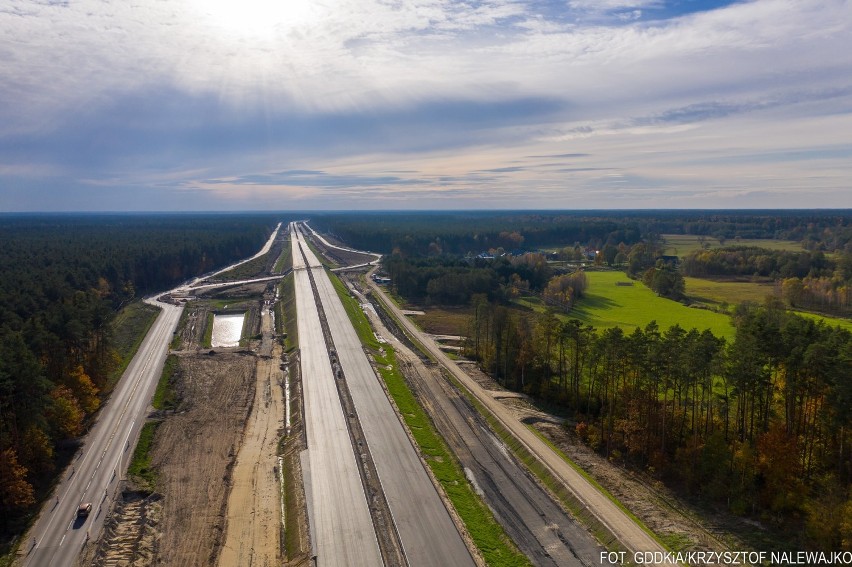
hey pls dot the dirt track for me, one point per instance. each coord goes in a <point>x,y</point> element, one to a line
<point>252,533</point>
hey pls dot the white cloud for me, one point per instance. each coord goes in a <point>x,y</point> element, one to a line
<point>768,71</point>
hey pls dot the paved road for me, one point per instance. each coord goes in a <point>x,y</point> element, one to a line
<point>341,527</point>
<point>428,534</point>
<point>104,457</point>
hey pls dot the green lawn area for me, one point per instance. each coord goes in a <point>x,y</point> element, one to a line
<point>609,305</point>
<point>683,244</point>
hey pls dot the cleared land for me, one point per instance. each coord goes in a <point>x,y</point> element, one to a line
<point>632,305</point>
<point>682,244</point>
<point>252,535</point>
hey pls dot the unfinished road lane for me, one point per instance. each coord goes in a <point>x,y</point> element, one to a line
<point>426,530</point>
<point>341,527</point>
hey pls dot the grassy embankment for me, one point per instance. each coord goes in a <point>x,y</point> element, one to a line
<point>129,329</point>
<point>285,314</point>
<point>251,269</point>
<point>207,338</point>
<point>487,534</point>
<point>289,446</point>
<point>165,398</point>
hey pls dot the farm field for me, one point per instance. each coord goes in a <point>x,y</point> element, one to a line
<point>731,292</point>
<point>609,305</point>
<point>715,292</point>
<point>683,244</point>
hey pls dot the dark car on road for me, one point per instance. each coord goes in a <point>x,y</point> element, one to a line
<point>84,510</point>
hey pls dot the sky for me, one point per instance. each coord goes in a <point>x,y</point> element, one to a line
<point>217,105</point>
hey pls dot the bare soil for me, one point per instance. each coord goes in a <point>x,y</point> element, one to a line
<point>194,452</point>
<point>253,528</point>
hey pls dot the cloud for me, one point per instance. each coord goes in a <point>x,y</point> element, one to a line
<point>448,98</point>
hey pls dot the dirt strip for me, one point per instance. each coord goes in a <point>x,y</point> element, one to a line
<point>253,525</point>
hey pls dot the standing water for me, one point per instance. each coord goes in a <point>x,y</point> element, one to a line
<point>227,330</point>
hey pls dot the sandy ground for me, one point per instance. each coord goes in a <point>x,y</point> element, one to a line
<point>253,528</point>
<point>194,452</point>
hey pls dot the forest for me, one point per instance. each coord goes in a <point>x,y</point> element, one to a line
<point>760,426</point>
<point>62,280</point>
<point>460,232</point>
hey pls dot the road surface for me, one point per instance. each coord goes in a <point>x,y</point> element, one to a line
<point>58,536</point>
<point>341,526</point>
<point>428,535</point>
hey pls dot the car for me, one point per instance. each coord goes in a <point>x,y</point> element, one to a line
<point>84,510</point>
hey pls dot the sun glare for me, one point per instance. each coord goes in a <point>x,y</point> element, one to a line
<point>258,19</point>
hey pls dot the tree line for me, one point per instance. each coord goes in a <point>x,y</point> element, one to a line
<point>62,279</point>
<point>761,426</point>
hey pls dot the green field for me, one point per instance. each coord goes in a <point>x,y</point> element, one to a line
<point>733,292</point>
<point>730,292</point>
<point>609,305</point>
<point>683,244</point>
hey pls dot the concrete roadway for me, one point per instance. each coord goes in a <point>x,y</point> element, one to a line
<point>342,530</point>
<point>58,536</point>
<point>428,534</point>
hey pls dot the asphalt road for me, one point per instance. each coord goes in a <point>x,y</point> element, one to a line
<point>426,530</point>
<point>58,536</point>
<point>341,526</point>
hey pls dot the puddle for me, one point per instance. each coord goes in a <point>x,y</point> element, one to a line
<point>227,330</point>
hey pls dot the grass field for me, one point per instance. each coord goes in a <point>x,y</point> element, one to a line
<point>445,321</point>
<point>716,292</point>
<point>629,306</point>
<point>683,244</point>
<point>832,321</point>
